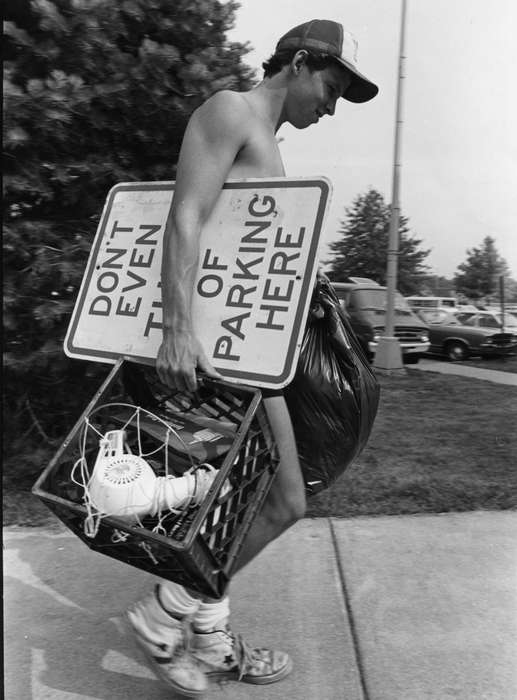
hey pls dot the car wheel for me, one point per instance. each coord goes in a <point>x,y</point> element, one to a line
<point>456,350</point>
<point>411,359</point>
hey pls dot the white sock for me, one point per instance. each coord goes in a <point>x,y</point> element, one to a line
<point>176,599</point>
<point>212,616</point>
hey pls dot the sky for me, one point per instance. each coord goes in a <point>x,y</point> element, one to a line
<point>458,180</point>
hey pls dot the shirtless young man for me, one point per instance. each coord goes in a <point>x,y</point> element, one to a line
<point>232,135</point>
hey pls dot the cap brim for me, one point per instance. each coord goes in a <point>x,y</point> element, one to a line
<point>360,89</point>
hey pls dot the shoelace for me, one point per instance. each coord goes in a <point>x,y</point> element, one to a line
<point>244,654</point>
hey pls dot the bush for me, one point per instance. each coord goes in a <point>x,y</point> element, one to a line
<point>95,93</point>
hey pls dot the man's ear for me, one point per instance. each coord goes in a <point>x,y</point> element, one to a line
<point>298,61</point>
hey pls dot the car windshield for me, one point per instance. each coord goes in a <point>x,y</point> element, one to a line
<point>466,318</point>
<point>375,300</point>
<point>438,317</point>
<point>489,321</point>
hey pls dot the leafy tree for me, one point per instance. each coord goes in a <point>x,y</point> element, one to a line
<point>510,290</point>
<point>437,285</point>
<point>362,250</point>
<point>478,277</point>
<point>95,93</point>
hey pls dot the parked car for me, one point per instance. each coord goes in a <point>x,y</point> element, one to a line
<point>461,334</point>
<point>488,319</point>
<point>466,307</point>
<point>365,302</point>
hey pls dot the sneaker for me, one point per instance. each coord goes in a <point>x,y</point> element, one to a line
<point>222,655</point>
<point>165,642</point>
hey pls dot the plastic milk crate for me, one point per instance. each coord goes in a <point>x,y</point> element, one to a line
<point>222,424</point>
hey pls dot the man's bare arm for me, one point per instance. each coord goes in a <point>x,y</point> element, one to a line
<point>213,138</point>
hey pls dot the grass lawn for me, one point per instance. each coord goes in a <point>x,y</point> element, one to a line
<point>440,443</point>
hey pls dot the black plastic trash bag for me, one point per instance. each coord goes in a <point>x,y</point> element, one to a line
<point>334,395</point>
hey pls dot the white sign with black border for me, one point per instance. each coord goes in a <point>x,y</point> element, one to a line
<point>257,266</point>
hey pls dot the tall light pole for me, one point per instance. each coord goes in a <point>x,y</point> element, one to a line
<point>388,354</point>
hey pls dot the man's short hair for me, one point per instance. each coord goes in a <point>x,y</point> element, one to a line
<point>315,61</point>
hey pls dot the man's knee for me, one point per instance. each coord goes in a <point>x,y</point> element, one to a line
<point>285,509</point>
<point>297,509</point>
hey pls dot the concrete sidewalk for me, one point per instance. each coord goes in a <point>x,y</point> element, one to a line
<point>488,375</point>
<point>388,608</point>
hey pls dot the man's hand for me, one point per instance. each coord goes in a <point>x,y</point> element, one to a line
<point>178,358</point>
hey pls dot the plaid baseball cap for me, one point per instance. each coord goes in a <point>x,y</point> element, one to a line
<point>327,37</point>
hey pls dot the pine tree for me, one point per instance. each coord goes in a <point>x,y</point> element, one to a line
<point>437,285</point>
<point>362,250</point>
<point>95,93</point>
<point>478,277</point>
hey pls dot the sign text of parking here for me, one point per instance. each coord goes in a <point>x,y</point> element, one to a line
<point>266,310</point>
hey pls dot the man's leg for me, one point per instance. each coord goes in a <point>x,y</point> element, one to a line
<point>219,653</point>
<point>285,503</point>
<point>162,634</point>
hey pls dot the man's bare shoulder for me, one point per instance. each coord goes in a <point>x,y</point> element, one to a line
<point>228,105</point>
<point>228,99</point>
<point>228,127</point>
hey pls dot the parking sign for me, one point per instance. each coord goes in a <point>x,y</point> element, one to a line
<point>257,264</point>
